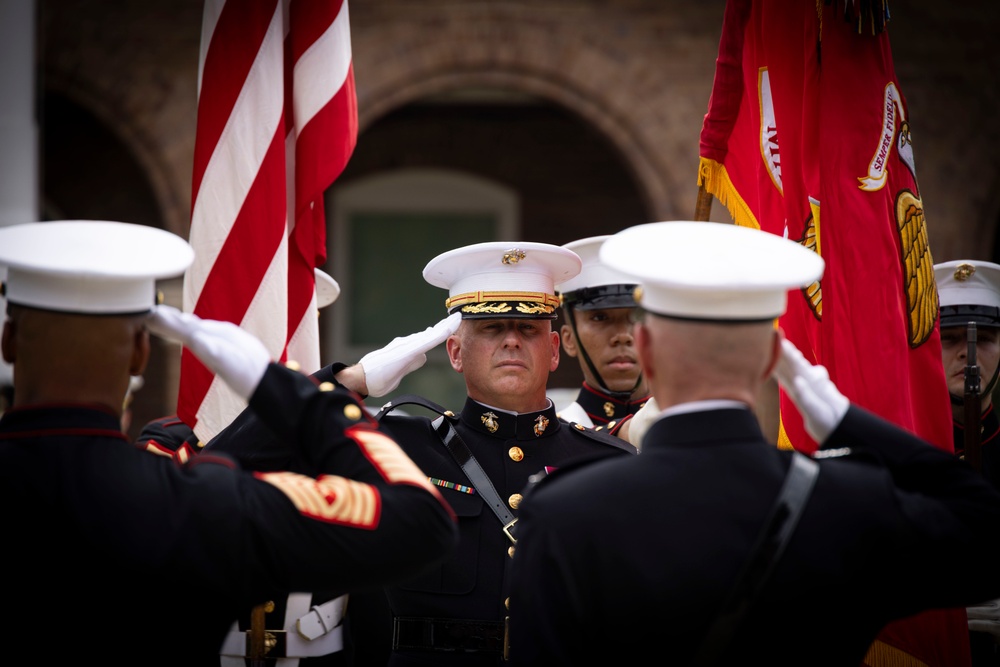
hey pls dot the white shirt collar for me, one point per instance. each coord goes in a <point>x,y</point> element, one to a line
<point>702,406</point>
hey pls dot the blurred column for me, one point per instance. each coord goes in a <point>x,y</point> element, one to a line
<point>19,189</point>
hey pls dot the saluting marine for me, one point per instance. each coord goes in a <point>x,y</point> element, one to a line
<point>483,457</point>
<point>714,546</point>
<point>156,559</point>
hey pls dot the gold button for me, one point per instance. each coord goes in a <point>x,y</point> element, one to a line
<point>506,604</point>
<point>294,365</point>
<point>326,386</point>
<point>579,427</point>
<point>200,444</point>
<point>515,453</point>
<point>510,551</point>
<point>514,500</point>
<point>352,412</point>
<point>611,425</point>
<point>449,413</point>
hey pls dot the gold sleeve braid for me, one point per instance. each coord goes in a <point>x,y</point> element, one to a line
<point>340,500</point>
<point>330,498</point>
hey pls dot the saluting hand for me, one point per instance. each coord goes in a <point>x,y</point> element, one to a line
<point>819,401</point>
<point>385,367</point>
<point>235,355</point>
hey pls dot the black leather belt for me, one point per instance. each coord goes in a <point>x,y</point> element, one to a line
<point>445,634</point>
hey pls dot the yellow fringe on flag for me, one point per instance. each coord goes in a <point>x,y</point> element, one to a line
<point>783,440</point>
<point>881,654</point>
<point>716,180</point>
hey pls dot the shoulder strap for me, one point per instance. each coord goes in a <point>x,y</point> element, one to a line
<point>771,542</point>
<point>480,481</point>
<point>410,399</point>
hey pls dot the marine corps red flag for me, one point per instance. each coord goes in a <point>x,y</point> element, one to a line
<point>277,123</point>
<point>807,136</point>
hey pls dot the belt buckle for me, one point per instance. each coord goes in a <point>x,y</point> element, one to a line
<point>508,530</point>
<point>275,644</point>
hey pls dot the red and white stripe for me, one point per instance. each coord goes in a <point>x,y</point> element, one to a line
<point>277,123</point>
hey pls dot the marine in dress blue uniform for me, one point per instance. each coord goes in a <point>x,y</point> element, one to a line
<point>130,558</point>
<point>629,558</point>
<point>455,613</point>
<point>606,295</point>
<point>969,291</point>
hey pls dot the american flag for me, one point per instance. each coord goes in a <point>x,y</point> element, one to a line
<point>277,123</point>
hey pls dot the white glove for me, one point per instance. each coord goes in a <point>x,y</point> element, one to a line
<point>819,401</point>
<point>235,355</point>
<point>384,368</point>
<point>641,421</point>
<point>985,617</point>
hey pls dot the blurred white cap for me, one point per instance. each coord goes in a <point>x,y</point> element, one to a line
<point>597,285</point>
<point>327,289</point>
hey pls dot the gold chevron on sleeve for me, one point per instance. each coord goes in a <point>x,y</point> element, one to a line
<point>330,498</point>
<point>918,267</point>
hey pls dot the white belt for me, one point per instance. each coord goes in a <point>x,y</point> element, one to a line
<point>316,632</point>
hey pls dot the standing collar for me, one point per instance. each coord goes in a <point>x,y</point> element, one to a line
<point>508,425</point>
<point>603,408</point>
<point>724,423</point>
<point>56,419</point>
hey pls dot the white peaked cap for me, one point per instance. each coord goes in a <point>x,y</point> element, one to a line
<point>503,278</point>
<point>968,291</point>
<point>968,282</point>
<point>594,272</point>
<point>711,271</point>
<point>327,289</point>
<point>89,266</point>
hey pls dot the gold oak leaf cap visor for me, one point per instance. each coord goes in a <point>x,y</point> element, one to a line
<point>501,279</point>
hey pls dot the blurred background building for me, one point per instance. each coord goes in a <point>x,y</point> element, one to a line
<point>541,120</point>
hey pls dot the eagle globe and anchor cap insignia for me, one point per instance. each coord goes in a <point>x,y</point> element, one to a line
<point>963,272</point>
<point>490,421</point>
<point>513,256</point>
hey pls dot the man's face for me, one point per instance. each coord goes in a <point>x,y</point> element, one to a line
<point>607,336</point>
<point>954,353</point>
<point>506,362</point>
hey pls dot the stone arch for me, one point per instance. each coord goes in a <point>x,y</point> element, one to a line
<point>507,53</point>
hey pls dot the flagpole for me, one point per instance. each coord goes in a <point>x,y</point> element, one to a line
<point>703,207</point>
